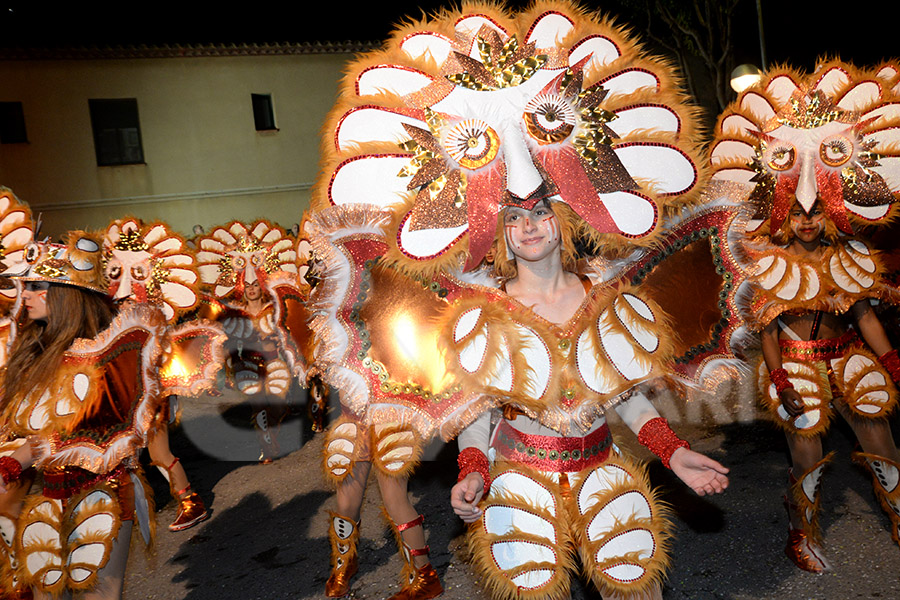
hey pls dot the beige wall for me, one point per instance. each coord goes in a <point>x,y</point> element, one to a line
<point>205,162</point>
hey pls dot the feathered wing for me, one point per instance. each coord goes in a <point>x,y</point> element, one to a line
<point>694,277</point>
<point>376,328</point>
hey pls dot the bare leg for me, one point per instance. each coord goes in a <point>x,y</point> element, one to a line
<point>350,492</point>
<point>874,435</point>
<point>400,510</point>
<point>162,457</point>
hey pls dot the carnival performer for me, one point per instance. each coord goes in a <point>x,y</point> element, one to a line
<point>817,156</point>
<point>151,264</point>
<point>239,264</point>
<point>79,393</point>
<point>555,121</point>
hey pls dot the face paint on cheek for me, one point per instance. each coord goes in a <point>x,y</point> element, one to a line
<point>554,229</point>
<point>509,238</point>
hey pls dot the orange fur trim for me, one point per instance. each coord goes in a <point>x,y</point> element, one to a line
<point>856,393</point>
<point>352,542</point>
<point>77,514</point>
<point>879,467</point>
<point>811,381</point>
<point>659,527</point>
<point>396,448</point>
<point>499,583</point>
<point>344,442</point>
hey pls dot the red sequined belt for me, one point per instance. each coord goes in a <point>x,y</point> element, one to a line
<point>550,453</point>
<point>62,483</point>
<point>816,350</point>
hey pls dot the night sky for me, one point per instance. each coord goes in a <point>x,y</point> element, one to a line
<point>796,32</point>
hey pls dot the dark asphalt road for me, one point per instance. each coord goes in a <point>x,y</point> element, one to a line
<point>267,537</point>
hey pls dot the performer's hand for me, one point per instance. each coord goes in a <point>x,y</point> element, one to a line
<point>792,402</point>
<point>701,473</point>
<point>465,496</point>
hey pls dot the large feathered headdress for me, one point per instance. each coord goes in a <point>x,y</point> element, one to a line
<point>475,110</point>
<point>832,136</point>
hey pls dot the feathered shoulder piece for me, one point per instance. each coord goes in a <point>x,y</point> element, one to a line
<point>780,281</point>
<point>473,110</point>
<point>831,135</point>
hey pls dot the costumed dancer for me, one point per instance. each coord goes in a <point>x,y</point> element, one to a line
<point>818,157</point>
<point>376,343</point>
<point>151,264</point>
<point>79,394</point>
<point>518,134</point>
<point>237,263</point>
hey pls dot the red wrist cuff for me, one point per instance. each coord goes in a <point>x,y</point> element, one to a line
<point>780,378</point>
<point>10,469</point>
<point>658,437</point>
<point>473,460</point>
<point>891,362</point>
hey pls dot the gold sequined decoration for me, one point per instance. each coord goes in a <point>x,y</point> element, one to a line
<point>808,110</point>
<point>593,131</point>
<point>131,241</point>
<point>158,276</point>
<point>498,69</point>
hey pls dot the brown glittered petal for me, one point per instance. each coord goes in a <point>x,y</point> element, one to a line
<point>422,137</point>
<point>440,212</point>
<point>428,173</point>
<point>475,69</point>
<point>608,174</point>
<point>865,190</point>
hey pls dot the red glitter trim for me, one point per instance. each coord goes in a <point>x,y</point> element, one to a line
<point>658,437</point>
<point>11,469</point>
<point>473,460</point>
<point>552,453</point>
<point>891,362</point>
<point>780,378</point>
<point>816,350</point>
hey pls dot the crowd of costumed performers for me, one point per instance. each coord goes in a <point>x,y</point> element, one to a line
<point>80,395</point>
<point>816,157</point>
<point>516,232</point>
<point>102,335</point>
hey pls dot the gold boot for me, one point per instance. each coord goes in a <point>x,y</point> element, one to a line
<point>804,544</point>
<point>420,583</point>
<point>886,483</point>
<point>191,510</point>
<point>344,536</point>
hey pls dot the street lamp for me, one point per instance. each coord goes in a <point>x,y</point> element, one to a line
<point>744,76</point>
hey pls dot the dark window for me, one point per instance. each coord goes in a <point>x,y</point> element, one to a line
<point>263,115</point>
<point>12,123</point>
<point>117,132</point>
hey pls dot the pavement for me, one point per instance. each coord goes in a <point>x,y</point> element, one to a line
<point>267,536</point>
